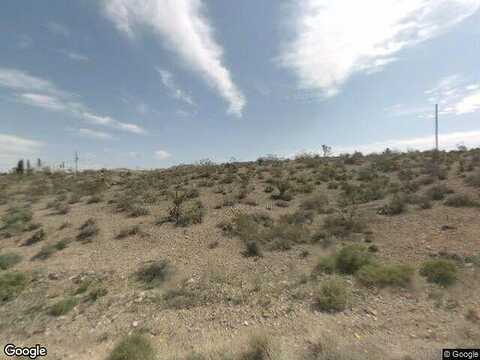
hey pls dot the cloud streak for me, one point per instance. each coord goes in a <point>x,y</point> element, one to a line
<point>335,39</point>
<point>44,94</point>
<point>184,29</point>
<point>13,148</point>
<point>169,83</point>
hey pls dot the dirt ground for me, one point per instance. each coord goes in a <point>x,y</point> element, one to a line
<point>242,295</point>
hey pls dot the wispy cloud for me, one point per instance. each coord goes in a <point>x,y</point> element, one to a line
<point>94,134</point>
<point>334,39</point>
<point>13,148</point>
<point>42,93</point>
<point>447,141</point>
<point>58,29</point>
<point>162,154</point>
<point>455,95</point>
<point>169,83</point>
<point>75,56</point>
<point>185,29</point>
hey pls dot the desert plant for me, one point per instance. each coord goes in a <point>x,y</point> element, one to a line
<point>385,275</point>
<point>88,230</point>
<point>440,271</point>
<point>154,273</point>
<point>9,260</point>
<point>35,238</point>
<point>133,347</point>
<point>438,192</point>
<point>351,258</point>
<point>11,285</point>
<point>252,249</point>
<point>332,296</point>
<point>130,231</point>
<point>258,349</point>
<point>460,200</point>
<point>317,202</point>
<point>63,306</point>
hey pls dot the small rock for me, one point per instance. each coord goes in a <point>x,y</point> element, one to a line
<point>135,324</point>
<point>53,276</point>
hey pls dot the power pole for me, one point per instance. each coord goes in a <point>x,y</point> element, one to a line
<point>76,162</point>
<point>436,127</point>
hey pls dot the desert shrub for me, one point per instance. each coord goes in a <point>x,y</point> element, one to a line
<point>11,285</point>
<point>438,192</point>
<point>325,265</point>
<point>96,293</point>
<point>48,250</point>
<point>351,258</point>
<point>385,275</point>
<point>283,236</point>
<point>332,296</point>
<point>17,219</point>
<point>269,189</point>
<point>317,202</point>
<point>327,349</point>
<point>9,260</point>
<point>342,225</point>
<point>74,198</point>
<point>395,206</point>
<point>284,188</point>
<point>460,200</point>
<point>88,230</point>
<point>154,273</point>
<point>61,208</point>
<point>94,199</point>
<point>138,210</point>
<point>193,214</point>
<point>35,238</point>
<point>63,306</point>
<point>440,271</point>
<point>133,347</point>
<point>252,249</point>
<point>130,231</point>
<point>473,180</point>
<point>299,217</point>
<point>258,349</point>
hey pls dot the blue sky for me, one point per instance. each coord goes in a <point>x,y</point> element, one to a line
<point>153,83</point>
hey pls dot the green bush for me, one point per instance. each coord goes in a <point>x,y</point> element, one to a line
<point>317,202</point>
<point>325,265</point>
<point>11,284</point>
<point>395,206</point>
<point>332,296</point>
<point>133,347</point>
<point>341,225</point>
<point>9,260</point>
<point>440,271</point>
<point>351,258</point>
<point>63,307</point>
<point>385,275</point>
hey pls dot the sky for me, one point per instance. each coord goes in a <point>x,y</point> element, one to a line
<point>155,83</point>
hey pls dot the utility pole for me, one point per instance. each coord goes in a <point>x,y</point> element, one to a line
<point>436,127</point>
<point>76,162</point>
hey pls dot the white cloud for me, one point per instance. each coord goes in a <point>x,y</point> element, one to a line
<point>44,94</point>
<point>13,148</point>
<point>334,39</point>
<point>58,29</point>
<point>76,56</point>
<point>454,96</point>
<point>185,29</point>
<point>43,101</point>
<point>162,154</point>
<point>447,141</point>
<point>94,134</point>
<point>21,80</point>
<point>169,83</point>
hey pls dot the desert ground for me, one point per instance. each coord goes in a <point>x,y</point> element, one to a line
<point>346,257</point>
